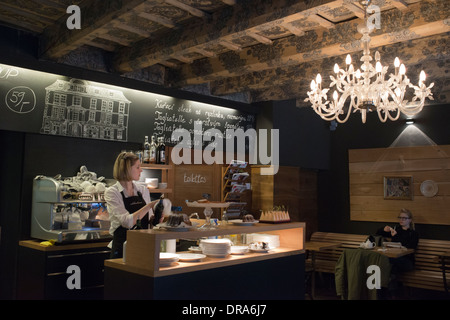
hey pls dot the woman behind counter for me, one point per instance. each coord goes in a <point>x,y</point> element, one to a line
<point>129,205</point>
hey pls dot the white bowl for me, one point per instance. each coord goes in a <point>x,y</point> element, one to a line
<point>151,182</point>
<point>162,185</point>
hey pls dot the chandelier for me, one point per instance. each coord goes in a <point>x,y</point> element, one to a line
<point>367,89</point>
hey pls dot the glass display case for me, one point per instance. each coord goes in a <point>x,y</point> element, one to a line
<point>143,247</point>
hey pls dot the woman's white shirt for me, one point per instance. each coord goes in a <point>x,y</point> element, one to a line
<point>118,214</point>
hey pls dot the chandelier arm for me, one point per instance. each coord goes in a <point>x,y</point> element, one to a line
<point>387,114</point>
<point>341,103</point>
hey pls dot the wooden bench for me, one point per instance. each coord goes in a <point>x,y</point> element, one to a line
<point>427,273</point>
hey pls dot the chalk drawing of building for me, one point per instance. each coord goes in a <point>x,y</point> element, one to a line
<point>78,109</point>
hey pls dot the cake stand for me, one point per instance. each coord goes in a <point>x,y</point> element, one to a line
<point>208,211</point>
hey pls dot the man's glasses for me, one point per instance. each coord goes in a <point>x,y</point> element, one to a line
<point>403,218</point>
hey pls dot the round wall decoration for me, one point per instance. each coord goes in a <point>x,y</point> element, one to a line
<point>429,188</point>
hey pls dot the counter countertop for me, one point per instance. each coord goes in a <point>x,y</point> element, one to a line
<point>35,244</point>
<point>230,228</point>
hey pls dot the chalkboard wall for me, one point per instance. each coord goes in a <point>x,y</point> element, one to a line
<point>46,103</point>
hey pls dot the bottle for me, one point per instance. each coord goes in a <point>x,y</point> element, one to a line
<point>224,220</point>
<point>153,148</point>
<point>158,140</point>
<point>162,150</point>
<point>146,150</point>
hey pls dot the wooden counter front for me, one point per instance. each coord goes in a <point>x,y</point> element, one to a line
<point>142,251</point>
<point>42,272</point>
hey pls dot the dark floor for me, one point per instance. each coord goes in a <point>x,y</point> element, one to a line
<point>326,290</point>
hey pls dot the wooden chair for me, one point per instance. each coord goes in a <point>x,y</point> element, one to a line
<point>326,259</point>
<point>445,266</point>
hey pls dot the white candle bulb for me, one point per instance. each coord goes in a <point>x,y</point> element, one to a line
<point>396,62</point>
<point>422,76</point>
<point>378,66</point>
<point>318,78</point>
<point>377,56</point>
<point>336,68</point>
<point>313,85</point>
<point>402,69</point>
<point>348,59</point>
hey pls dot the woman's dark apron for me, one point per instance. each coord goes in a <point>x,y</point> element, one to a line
<point>132,204</point>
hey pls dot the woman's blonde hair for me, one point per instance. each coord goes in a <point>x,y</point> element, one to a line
<point>123,164</point>
<point>410,216</point>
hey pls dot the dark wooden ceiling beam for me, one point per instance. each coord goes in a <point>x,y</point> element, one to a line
<point>35,21</point>
<point>57,40</point>
<point>158,19</point>
<point>398,26</point>
<point>193,11</point>
<point>230,28</point>
<point>41,11</point>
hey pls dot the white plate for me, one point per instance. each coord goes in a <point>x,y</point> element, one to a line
<point>196,204</point>
<point>239,222</point>
<point>429,188</point>
<point>166,258</point>
<point>167,255</point>
<point>217,255</point>
<point>177,229</point>
<point>195,249</point>
<point>239,249</point>
<point>216,241</point>
<point>191,257</point>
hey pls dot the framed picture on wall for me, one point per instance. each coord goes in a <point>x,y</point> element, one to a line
<point>398,188</point>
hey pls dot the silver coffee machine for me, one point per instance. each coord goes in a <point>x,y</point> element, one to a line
<point>65,215</point>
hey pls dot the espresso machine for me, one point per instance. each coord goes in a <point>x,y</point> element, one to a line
<point>64,214</point>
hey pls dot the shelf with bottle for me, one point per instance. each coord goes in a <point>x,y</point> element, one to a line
<point>167,174</point>
<point>154,152</point>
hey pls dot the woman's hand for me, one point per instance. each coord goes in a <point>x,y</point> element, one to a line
<point>391,230</point>
<point>139,214</point>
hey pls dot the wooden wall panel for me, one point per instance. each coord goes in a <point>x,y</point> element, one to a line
<point>191,181</point>
<point>293,187</point>
<point>368,167</point>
